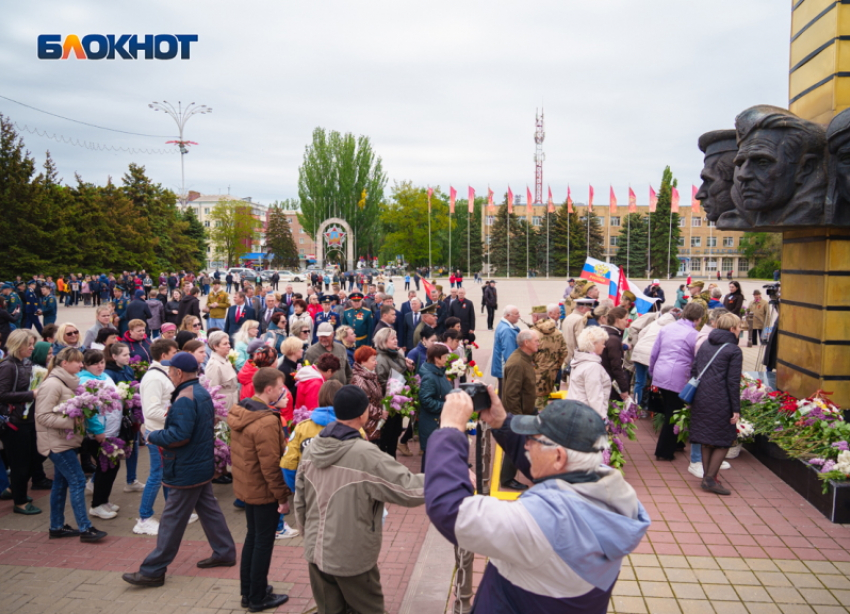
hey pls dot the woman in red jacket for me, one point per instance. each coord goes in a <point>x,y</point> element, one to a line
<point>310,379</point>
<point>262,356</point>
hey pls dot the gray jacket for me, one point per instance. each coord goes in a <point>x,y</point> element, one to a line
<point>316,350</point>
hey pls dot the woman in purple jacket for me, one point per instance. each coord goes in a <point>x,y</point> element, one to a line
<point>670,369</point>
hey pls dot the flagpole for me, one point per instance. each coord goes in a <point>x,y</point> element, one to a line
<point>568,240</point>
<point>628,243</point>
<point>547,241</point>
<point>670,246</point>
<point>429,236</point>
<point>468,230</point>
<point>527,241</point>
<point>649,245</point>
<point>508,229</point>
<point>587,255</point>
<point>450,242</point>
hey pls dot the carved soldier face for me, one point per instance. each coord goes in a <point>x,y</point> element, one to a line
<point>765,174</point>
<point>716,189</point>
<point>841,159</point>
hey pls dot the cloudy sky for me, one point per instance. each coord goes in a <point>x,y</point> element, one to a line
<point>446,90</point>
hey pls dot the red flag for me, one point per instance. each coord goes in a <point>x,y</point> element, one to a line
<point>551,207</point>
<point>622,286</point>
<point>590,200</point>
<point>471,200</point>
<point>491,208</point>
<point>674,201</point>
<point>428,287</point>
<point>510,200</point>
<point>694,201</point>
<point>452,197</point>
<point>530,202</point>
<point>430,193</point>
<point>612,204</point>
<point>569,200</point>
<point>632,201</point>
<point>653,199</point>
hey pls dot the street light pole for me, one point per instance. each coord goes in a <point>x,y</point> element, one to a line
<point>180,117</point>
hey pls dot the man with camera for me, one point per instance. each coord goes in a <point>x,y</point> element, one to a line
<point>560,547</point>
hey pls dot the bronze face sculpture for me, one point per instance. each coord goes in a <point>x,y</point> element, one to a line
<point>838,142</point>
<point>780,175</point>
<point>715,193</point>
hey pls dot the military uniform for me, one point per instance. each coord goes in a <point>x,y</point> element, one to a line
<point>330,317</point>
<point>360,320</point>
<point>49,309</point>
<point>702,298</point>
<point>548,358</point>
<point>31,308</point>
<point>13,301</point>
<point>121,313</point>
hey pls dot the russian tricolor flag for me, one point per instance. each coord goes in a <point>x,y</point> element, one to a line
<point>606,274</point>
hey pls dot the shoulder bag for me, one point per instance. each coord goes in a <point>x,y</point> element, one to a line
<point>690,389</point>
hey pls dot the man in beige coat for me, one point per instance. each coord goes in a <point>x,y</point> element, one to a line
<point>520,393</point>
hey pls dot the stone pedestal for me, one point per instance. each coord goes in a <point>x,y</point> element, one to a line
<point>814,316</point>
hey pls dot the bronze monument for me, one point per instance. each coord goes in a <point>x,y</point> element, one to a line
<point>838,196</point>
<point>720,148</point>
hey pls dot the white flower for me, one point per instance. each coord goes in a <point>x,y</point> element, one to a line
<point>842,463</point>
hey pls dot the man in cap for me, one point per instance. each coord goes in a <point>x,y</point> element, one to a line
<point>701,297</point>
<point>326,345</point>
<point>560,547</point>
<point>490,300</point>
<point>32,307</point>
<point>654,290</point>
<point>13,303</point>
<point>189,466</point>
<point>574,323</point>
<point>359,319</point>
<point>119,311</point>
<point>326,315</point>
<point>342,484</point>
<point>551,353</point>
<point>428,318</point>
<point>715,194</point>
<point>48,307</point>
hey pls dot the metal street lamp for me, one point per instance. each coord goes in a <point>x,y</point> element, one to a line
<point>181,116</point>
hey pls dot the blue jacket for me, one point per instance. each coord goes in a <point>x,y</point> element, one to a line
<point>432,396</point>
<point>48,309</point>
<point>504,345</point>
<point>120,374</point>
<point>557,550</point>
<point>418,355</point>
<point>187,441</point>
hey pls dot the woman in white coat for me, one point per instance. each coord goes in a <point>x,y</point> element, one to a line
<point>589,382</point>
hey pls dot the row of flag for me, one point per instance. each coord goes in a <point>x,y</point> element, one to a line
<point>612,200</point>
<point>612,277</point>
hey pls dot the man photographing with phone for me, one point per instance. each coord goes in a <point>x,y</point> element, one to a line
<point>559,548</point>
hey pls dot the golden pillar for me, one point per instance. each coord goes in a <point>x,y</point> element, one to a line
<point>814,319</point>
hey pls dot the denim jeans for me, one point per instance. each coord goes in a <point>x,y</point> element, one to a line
<point>68,474</point>
<point>641,372</point>
<point>4,479</point>
<point>696,453</point>
<point>153,483</point>
<point>133,461</point>
<point>215,323</point>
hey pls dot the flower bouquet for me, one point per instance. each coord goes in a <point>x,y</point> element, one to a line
<point>300,415</point>
<point>139,367</point>
<point>622,421</point>
<point>87,403</point>
<point>399,400</point>
<point>232,356</point>
<point>745,430</point>
<point>112,450</point>
<point>129,392</point>
<point>221,429</point>
<point>473,369</point>
<point>221,452</point>
<point>455,366</point>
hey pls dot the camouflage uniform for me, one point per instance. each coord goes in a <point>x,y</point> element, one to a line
<point>548,359</point>
<point>702,298</point>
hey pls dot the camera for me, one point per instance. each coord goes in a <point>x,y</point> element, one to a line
<point>772,291</point>
<point>479,393</point>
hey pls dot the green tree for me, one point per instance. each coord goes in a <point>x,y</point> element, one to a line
<point>541,249</point>
<point>342,177</point>
<point>665,231</point>
<point>764,251</point>
<point>198,235</point>
<point>569,242</point>
<point>279,239</point>
<point>596,235</point>
<point>287,204</point>
<point>463,219</point>
<point>501,245</point>
<point>404,218</point>
<point>632,245</point>
<point>234,229</point>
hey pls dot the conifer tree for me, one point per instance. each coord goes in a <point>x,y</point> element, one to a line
<point>665,230</point>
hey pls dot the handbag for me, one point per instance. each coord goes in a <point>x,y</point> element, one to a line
<point>690,389</point>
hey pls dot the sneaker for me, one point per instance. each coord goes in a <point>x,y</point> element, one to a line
<point>696,469</point>
<point>111,507</point>
<point>712,485</point>
<point>287,533</point>
<point>89,488</point>
<point>65,531</point>
<point>101,511</point>
<point>136,486</point>
<point>725,465</point>
<point>404,450</point>
<point>193,518</point>
<point>92,535</point>
<point>238,504</point>
<point>146,526</point>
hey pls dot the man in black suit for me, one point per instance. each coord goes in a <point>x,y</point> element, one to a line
<point>411,321</point>
<point>463,309</point>
<point>287,297</point>
<point>267,313</point>
<point>238,314</point>
<point>405,306</point>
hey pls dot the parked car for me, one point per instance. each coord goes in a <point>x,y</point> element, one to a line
<point>241,273</point>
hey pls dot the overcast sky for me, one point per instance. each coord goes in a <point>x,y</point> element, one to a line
<point>446,90</point>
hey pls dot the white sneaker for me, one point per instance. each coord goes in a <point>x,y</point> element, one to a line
<point>148,526</point>
<point>101,511</point>
<point>136,486</point>
<point>696,469</point>
<point>89,488</point>
<point>111,506</point>
<point>193,518</point>
<point>287,532</point>
<point>725,465</point>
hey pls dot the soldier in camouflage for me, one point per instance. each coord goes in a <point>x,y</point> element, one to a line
<point>698,295</point>
<point>550,356</point>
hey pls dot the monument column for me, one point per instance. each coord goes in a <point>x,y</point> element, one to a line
<point>814,320</point>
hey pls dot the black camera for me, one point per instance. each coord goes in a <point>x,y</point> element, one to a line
<point>772,291</point>
<point>479,393</point>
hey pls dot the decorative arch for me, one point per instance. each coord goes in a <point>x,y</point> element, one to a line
<point>322,240</point>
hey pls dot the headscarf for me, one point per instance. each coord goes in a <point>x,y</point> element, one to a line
<point>39,353</point>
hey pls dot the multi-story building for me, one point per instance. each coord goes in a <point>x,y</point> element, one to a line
<point>703,248</point>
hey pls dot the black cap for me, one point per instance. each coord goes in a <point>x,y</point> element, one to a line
<point>568,423</point>
<point>327,298</point>
<point>350,402</point>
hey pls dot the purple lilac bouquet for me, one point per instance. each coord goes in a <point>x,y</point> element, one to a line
<point>221,452</point>
<point>139,366</point>
<point>90,399</point>
<point>300,415</point>
<point>222,429</point>
<point>112,450</point>
<point>132,401</point>
<point>399,399</point>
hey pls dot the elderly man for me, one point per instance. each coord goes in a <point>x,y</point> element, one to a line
<point>325,344</point>
<point>189,466</point>
<point>406,306</point>
<point>551,354</point>
<point>411,322</point>
<point>504,342</point>
<point>520,393</point>
<point>463,309</point>
<point>429,318</point>
<point>561,546</point>
<point>360,319</point>
<point>325,315</point>
<point>574,323</point>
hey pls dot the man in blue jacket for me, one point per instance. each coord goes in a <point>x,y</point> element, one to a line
<point>187,443</point>
<point>560,547</point>
<point>504,342</point>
